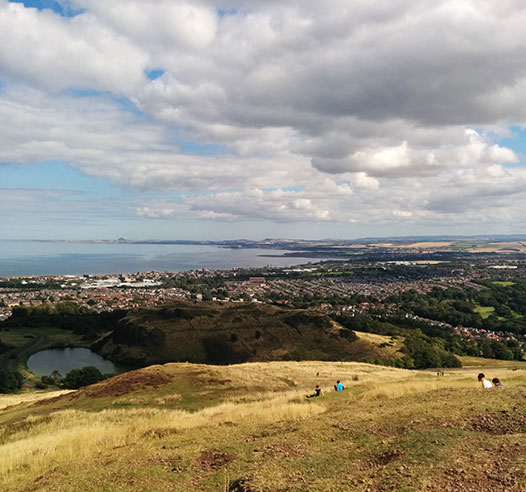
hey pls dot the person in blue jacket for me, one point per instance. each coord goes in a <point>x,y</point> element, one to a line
<point>339,386</point>
<point>497,383</point>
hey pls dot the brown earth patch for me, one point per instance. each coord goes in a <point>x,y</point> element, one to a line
<point>119,385</point>
<point>282,450</point>
<point>242,485</point>
<point>49,401</point>
<point>495,473</point>
<point>383,459</point>
<point>221,382</point>
<point>212,460</point>
<point>128,383</point>
<point>498,423</point>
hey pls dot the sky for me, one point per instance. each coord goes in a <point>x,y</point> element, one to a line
<point>165,119</point>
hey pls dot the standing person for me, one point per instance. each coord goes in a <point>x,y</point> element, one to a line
<point>317,392</point>
<point>496,382</point>
<point>339,386</point>
<point>485,383</point>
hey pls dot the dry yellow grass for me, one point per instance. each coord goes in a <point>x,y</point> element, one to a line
<point>75,436</point>
<point>266,393</point>
<point>304,375</point>
<point>469,362</point>
<point>10,400</point>
<point>428,381</point>
<point>257,396</point>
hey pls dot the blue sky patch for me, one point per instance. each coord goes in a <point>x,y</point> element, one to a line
<point>154,74</point>
<point>58,176</point>
<point>54,175</point>
<point>124,102</point>
<point>295,189</point>
<point>78,92</point>
<point>128,105</point>
<point>226,12</point>
<point>516,142</point>
<point>62,9</point>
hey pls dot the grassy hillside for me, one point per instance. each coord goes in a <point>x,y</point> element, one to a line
<point>225,333</point>
<point>248,427</point>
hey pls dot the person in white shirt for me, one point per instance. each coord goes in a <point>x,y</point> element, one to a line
<point>485,383</point>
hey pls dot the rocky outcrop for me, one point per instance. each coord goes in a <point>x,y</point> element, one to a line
<point>223,334</point>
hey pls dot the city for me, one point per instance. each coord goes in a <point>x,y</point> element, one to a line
<point>372,290</point>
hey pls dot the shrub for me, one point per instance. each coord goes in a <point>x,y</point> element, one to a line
<point>10,381</point>
<point>82,377</point>
<point>54,379</point>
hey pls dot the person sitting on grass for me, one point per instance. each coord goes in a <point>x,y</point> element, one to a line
<point>317,392</point>
<point>339,386</point>
<point>496,382</point>
<point>485,383</point>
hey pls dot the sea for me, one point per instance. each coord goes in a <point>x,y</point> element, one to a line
<point>35,258</point>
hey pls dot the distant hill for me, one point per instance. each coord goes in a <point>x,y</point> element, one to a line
<point>216,333</point>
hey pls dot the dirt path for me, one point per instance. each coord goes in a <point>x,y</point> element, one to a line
<point>11,363</point>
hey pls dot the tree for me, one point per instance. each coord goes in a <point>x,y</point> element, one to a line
<point>486,349</point>
<point>500,351</point>
<point>77,378</point>
<point>10,381</point>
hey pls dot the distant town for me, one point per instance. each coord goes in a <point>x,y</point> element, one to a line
<point>384,289</point>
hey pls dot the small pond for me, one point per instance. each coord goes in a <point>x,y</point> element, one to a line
<point>65,359</point>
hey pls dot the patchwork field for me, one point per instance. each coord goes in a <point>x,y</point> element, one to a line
<point>429,244</point>
<point>487,246</point>
<point>249,427</point>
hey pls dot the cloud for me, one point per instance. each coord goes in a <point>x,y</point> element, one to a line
<point>46,50</point>
<point>310,204</point>
<point>401,160</point>
<point>94,135</point>
<point>159,25</point>
<point>374,112</point>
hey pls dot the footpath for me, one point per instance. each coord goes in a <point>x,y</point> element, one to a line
<point>10,360</point>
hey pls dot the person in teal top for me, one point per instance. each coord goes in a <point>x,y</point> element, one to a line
<point>339,386</point>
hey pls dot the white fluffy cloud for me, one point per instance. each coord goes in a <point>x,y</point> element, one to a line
<point>48,51</point>
<point>312,203</point>
<point>370,112</point>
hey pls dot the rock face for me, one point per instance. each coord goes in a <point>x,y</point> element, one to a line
<point>223,334</point>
